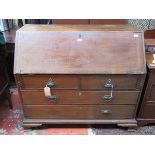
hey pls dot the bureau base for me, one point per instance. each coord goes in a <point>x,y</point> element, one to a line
<point>142,121</point>
<point>29,123</point>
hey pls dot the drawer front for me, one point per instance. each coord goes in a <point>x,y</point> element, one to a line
<point>148,111</point>
<point>118,82</point>
<point>152,76</point>
<point>80,97</point>
<point>151,95</point>
<point>80,112</point>
<point>59,81</point>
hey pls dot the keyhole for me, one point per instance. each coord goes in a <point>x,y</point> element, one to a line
<point>79,38</point>
<point>80,93</point>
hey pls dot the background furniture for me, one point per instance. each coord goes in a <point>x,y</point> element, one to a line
<point>69,21</point>
<point>146,113</point>
<point>88,21</point>
<point>4,80</point>
<point>9,50</point>
<point>107,21</point>
<point>147,108</point>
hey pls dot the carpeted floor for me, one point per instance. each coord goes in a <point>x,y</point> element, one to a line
<point>114,130</point>
<point>11,124</point>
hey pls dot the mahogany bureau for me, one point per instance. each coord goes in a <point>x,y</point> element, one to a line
<point>83,74</point>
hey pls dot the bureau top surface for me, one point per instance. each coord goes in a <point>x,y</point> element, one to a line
<point>54,27</point>
<point>79,49</point>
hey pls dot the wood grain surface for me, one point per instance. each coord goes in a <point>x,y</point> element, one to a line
<point>80,81</point>
<point>79,97</point>
<point>83,49</point>
<point>80,112</point>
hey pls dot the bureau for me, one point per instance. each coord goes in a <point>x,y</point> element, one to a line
<point>83,74</point>
<point>146,113</point>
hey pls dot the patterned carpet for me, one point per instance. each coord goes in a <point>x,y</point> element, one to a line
<point>114,130</point>
<point>11,124</point>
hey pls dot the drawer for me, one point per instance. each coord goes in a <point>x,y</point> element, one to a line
<point>59,81</point>
<point>80,112</point>
<point>107,21</point>
<point>151,94</point>
<point>118,82</point>
<point>152,76</point>
<point>148,111</point>
<point>80,97</point>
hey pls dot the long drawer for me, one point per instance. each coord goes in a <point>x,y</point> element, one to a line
<point>79,97</point>
<point>81,81</point>
<point>80,112</point>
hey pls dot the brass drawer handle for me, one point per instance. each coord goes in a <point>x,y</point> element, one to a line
<point>53,97</point>
<point>50,84</point>
<point>106,112</point>
<point>108,85</point>
<point>107,97</point>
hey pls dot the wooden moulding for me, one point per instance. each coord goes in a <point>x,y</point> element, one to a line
<point>144,121</point>
<point>28,123</point>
